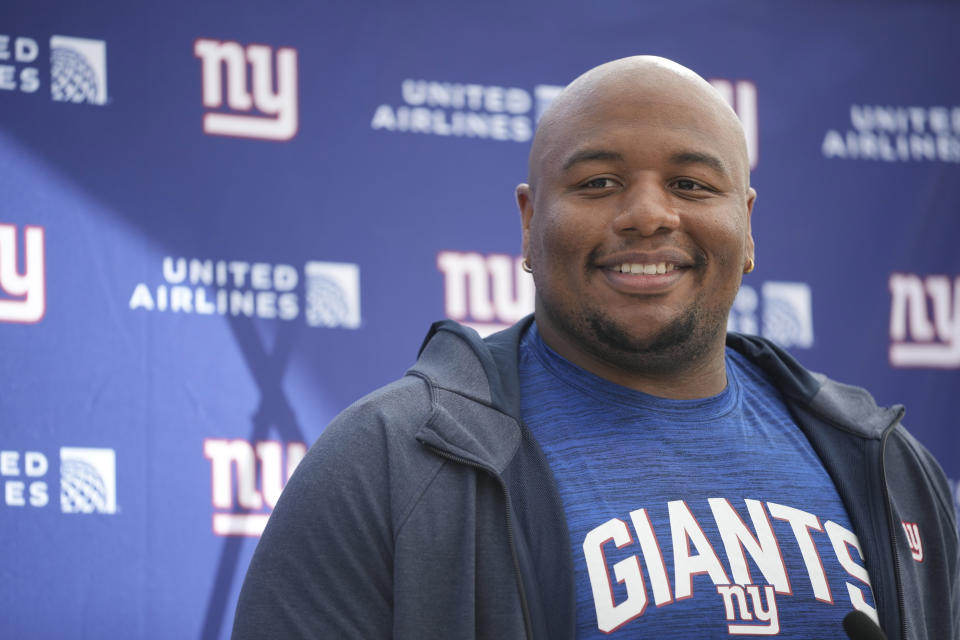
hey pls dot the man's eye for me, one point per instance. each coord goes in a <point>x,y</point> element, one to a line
<point>688,185</point>
<point>599,183</point>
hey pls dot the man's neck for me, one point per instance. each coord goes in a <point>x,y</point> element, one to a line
<point>663,375</point>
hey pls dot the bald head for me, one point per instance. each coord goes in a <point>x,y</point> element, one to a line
<point>637,81</point>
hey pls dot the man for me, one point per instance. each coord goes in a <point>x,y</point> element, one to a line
<point>615,463</point>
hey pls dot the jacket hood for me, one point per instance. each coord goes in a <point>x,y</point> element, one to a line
<point>449,346</point>
<point>472,381</point>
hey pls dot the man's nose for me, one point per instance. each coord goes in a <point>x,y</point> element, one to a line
<point>647,210</point>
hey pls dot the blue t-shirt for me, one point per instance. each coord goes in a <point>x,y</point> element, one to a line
<point>704,518</point>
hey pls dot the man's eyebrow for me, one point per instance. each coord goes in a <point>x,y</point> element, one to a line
<point>591,154</point>
<point>697,157</point>
<point>679,158</point>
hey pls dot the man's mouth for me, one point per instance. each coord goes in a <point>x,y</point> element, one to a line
<point>645,269</point>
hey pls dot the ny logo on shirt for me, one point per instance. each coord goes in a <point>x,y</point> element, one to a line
<point>767,618</point>
<point>750,606</point>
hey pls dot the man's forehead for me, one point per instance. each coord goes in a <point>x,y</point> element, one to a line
<point>694,142</point>
<point>651,92</point>
<point>675,159</point>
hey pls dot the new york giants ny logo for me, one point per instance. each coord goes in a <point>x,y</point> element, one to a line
<point>913,539</point>
<point>487,292</point>
<point>916,341</point>
<point>278,108</point>
<point>241,512</point>
<point>28,301</point>
<point>767,618</point>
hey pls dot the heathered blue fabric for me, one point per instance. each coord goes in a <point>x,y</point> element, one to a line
<point>614,450</point>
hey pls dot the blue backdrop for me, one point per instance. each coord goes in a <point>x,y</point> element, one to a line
<point>221,223</point>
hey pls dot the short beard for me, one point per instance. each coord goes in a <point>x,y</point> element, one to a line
<point>673,335</point>
<point>685,341</point>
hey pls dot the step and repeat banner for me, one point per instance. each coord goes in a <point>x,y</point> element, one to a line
<point>220,224</point>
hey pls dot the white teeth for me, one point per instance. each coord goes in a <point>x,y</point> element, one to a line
<point>646,269</point>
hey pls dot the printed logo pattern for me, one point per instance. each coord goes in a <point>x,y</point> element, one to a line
<point>28,289</point>
<point>78,70</point>
<point>459,109</point>
<point>916,341</point>
<point>913,539</point>
<point>454,109</point>
<point>767,618</point>
<point>897,134</point>
<point>333,294</point>
<point>88,480</point>
<point>24,52</point>
<point>486,292</point>
<point>786,313</point>
<point>258,112</point>
<point>32,467</point>
<point>240,508</point>
<point>748,610</point>
<point>256,289</point>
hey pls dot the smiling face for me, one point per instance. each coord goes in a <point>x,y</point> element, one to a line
<point>637,225</point>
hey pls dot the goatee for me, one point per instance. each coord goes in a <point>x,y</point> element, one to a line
<point>683,341</point>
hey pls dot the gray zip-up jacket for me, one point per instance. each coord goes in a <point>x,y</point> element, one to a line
<point>427,510</point>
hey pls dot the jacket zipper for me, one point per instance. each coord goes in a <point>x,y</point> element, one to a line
<point>893,534</point>
<point>898,581</point>
<point>513,551</point>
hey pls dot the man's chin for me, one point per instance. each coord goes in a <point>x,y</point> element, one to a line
<point>677,345</point>
<point>675,335</point>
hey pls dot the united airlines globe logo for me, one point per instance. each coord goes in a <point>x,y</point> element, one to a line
<point>326,304</point>
<point>332,294</point>
<point>88,480</point>
<point>82,490</point>
<point>72,78</point>
<point>78,70</point>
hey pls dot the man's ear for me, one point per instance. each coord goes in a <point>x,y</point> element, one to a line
<point>525,204</point>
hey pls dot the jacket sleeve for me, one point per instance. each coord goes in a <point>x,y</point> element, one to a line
<point>951,536</point>
<point>323,567</point>
<point>937,573</point>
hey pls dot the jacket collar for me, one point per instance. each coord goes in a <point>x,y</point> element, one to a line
<point>452,363</point>
<point>457,365</point>
<point>453,358</point>
<point>850,408</point>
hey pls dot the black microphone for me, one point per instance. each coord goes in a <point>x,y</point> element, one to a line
<point>860,626</point>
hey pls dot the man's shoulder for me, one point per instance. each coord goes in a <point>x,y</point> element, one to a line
<point>456,359</point>
<point>452,358</point>
<point>456,369</point>
<point>396,409</point>
<point>910,458</point>
<point>783,370</point>
<point>849,407</point>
